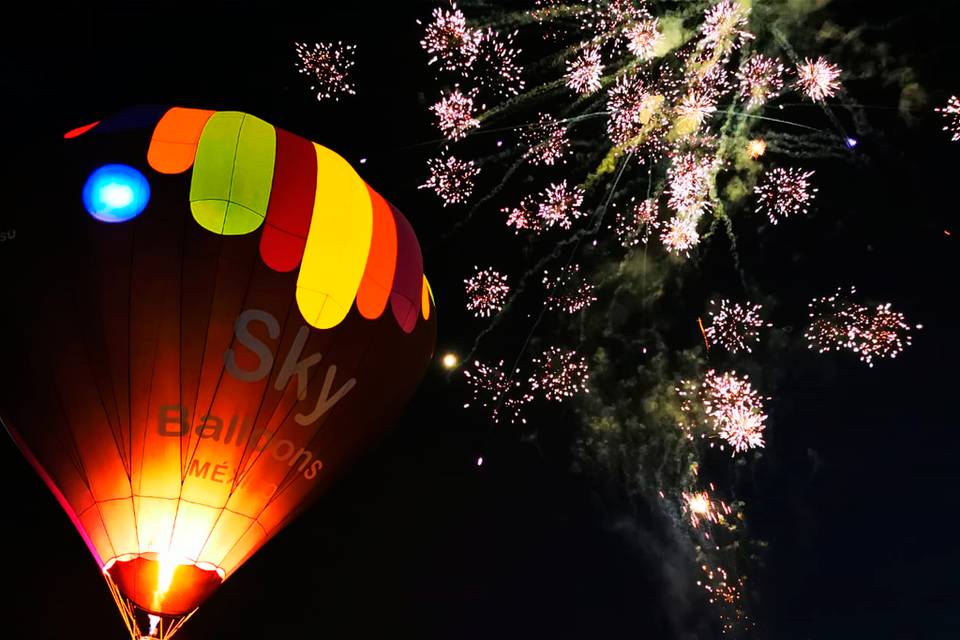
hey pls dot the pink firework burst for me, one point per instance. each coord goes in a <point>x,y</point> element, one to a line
<point>952,113</point>
<point>449,41</point>
<point>451,179</point>
<point>735,326</point>
<point>560,205</point>
<point>689,178</point>
<point>697,105</point>
<point>524,216</point>
<point>838,323</point>
<point>637,118</point>
<point>735,409</point>
<point>643,37</point>
<point>784,192</point>
<point>494,391</point>
<point>559,374</point>
<point>818,79</point>
<point>680,234</point>
<point>700,507</point>
<point>584,71</point>
<point>761,78</point>
<point>495,65</point>
<point>455,114</point>
<point>546,141</point>
<point>634,222</point>
<point>568,291</point>
<point>486,290</point>
<point>328,65</point>
<point>724,25</point>
<point>604,20</point>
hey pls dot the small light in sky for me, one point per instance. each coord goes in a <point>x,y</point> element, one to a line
<point>450,360</point>
<point>480,461</point>
<point>851,142</point>
<point>363,161</point>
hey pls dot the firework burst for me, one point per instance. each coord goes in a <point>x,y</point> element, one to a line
<point>952,113</point>
<point>818,79</point>
<point>735,409</point>
<point>495,66</point>
<point>634,222</point>
<point>680,235</point>
<point>451,179</point>
<point>584,71</point>
<point>328,65</point>
<point>559,374</point>
<point>449,41</point>
<point>524,216</point>
<point>756,148</point>
<point>643,37</point>
<point>689,178</point>
<point>486,291</point>
<point>604,20</point>
<point>700,508</point>
<point>838,323</point>
<point>546,141</point>
<point>735,326</point>
<point>638,119</point>
<point>784,192</point>
<point>494,391</point>
<point>560,205</point>
<point>454,114</point>
<point>723,26</point>
<point>567,290</point>
<point>761,78</point>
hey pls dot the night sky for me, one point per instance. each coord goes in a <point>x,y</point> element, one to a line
<point>856,491</point>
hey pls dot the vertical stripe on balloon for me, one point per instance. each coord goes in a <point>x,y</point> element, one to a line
<point>408,281</point>
<point>338,242</point>
<point>173,145</point>
<point>292,197</point>
<point>377,282</point>
<point>425,299</point>
<point>233,173</point>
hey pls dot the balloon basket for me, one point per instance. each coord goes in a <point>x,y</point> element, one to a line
<point>143,624</point>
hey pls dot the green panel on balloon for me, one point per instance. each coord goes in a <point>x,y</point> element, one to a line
<point>233,173</point>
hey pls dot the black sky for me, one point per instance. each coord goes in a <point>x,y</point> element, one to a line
<point>856,491</point>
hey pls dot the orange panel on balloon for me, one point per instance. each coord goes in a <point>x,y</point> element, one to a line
<point>377,279</point>
<point>173,146</point>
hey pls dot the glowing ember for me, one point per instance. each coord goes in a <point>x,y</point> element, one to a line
<point>735,326</point>
<point>486,292</point>
<point>818,78</point>
<point>455,114</point>
<point>784,192</point>
<point>327,64</point>
<point>585,71</point>
<point>567,291</point>
<point>559,374</point>
<point>546,141</point>
<point>756,148</point>
<point>952,113</point>
<point>451,179</point>
<point>761,78</point>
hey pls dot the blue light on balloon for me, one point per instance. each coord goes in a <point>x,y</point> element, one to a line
<point>116,193</point>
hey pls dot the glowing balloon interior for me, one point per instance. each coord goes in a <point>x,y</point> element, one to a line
<point>193,373</point>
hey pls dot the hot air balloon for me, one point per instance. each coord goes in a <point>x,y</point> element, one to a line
<point>220,317</point>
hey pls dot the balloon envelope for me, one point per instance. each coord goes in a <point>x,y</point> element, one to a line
<point>217,318</point>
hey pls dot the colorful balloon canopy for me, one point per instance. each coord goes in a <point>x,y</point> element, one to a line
<point>193,373</point>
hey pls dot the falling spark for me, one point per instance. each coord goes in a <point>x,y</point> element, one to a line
<point>559,374</point>
<point>952,113</point>
<point>487,291</point>
<point>450,361</point>
<point>784,192</point>
<point>546,141</point>
<point>818,79</point>
<point>567,291</point>
<point>761,78</point>
<point>455,114</point>
<point>451,179</point>
<point>494,391</point>
<point>634,222</point>
<point>327,64</point>
<point>584,72</point>
<point>735,326</point>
